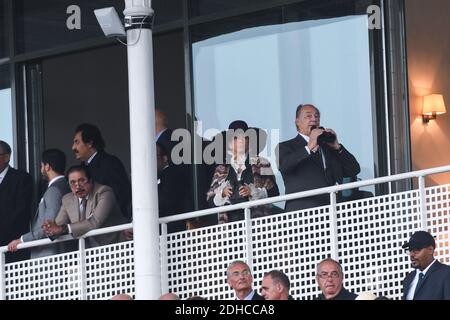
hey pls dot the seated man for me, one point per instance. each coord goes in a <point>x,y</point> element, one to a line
<point>240,280</point>
<point>330,277</point>
<point>275,286</point>
<point>89,206</point>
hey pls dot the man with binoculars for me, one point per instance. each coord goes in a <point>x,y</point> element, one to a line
<point>313,159</point>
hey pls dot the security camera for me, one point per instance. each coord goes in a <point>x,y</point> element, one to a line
<point>110,22</point>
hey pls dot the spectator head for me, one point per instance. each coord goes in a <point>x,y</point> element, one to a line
<point>80,180</point>
<point>169,296</point>
<point>329,276</point>
<point>122,296</point>
<point>275,286</point>
<point>421,247</point>
<point>5,155</point>
<point>239,278</point>
<point>366,296</point>
<point>87,140</point>
<point>306,116</point>
<point>54,160</point>
<point>161,122</point>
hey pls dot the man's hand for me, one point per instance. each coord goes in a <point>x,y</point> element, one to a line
<point>12,246</point>
<point>227,192</point>
<point>335,145</point>
<point>51,229</point>
<point>312,144</point>
<point>244,191</point>
<point>128,234</point>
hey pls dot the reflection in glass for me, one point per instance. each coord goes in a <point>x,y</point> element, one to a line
<point>6,116</point>
<point>4,45</point>
<point>260,75</point>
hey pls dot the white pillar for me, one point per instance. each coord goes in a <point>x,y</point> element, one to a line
<point>143,149</point>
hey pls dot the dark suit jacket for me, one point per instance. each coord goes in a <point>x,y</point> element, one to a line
<point>16,192</point>
<point>165,139</point>
<point>302,171</point>
<point>344,294</point>
<point>256,296</point>
<point>435,285</point>
<point>108,170</point>
<point>174,194</point>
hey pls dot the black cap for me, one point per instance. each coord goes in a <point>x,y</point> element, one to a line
<point>420,240</point>
<point>238,124</point>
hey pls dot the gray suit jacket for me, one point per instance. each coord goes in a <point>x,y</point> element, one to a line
<point>47,210</point>
<point>102,211</point>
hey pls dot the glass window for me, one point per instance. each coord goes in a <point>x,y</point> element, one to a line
<point>6,111</point>
<point>44,24</point>
<point>4,45</point>
<point>261,74</point>
<point>204,7</point>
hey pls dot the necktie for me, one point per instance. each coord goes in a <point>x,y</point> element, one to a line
<point>419,283</point>
<point>83,209</point>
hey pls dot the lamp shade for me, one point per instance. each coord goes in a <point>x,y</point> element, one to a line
<point>433,104</point>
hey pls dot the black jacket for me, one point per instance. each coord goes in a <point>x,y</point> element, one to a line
<point>302,171</point>
<point>16,192</point>
<point>108,170</point>
<point>435,285</point>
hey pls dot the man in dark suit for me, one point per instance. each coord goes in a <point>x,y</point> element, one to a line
<point>16,190</point>
<point>310,162</point>
<point>330,278</point>
<point>53,164</point>
<point>240,279</point>
<point>431,279</point>
<point>173,189</point>
<point>88,146</point>
<point>163,134</point>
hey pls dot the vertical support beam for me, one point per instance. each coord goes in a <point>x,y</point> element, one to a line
<point>138,23</point>
<point>2,276</point>
<point>333,227</point>
<point>164,264</point>
<point>248,238</point>
<point>82,268</point>
<point>423,202</point>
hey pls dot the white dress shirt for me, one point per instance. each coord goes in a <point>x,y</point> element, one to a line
<point>3,174</point>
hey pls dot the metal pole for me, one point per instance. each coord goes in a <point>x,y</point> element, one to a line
<point>248,236</point>
<point>138,23</point>
<point>2,276</point>
<point>82,268</point>
<point>423,202</point>
<point>333,227</point>
<point>164,264</point>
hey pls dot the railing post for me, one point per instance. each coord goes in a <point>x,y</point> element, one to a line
<point>423,202</point>
<point>248,236</point>
<point>2,276</point>
<point>164,264</point>
<point>333,226</point>
<point>82,268</point>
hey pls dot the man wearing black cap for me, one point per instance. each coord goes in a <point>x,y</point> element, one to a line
<point>431,279</point>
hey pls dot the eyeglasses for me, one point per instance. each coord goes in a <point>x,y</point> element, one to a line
<point>81,181</point>
<point>325,275</point>
<point>244,273</point>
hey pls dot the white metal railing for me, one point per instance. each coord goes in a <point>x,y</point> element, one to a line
<point>365,235</point>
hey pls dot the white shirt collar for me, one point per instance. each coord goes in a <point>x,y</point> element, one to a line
<point>250,295</point>
<point>304,137</point>
<point>80,199</point>
<point>54,180</point>
<point>3,174</point>
<point>92,157</point>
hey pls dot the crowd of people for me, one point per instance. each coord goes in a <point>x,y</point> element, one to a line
<point>97,192</point>
<point>429,281</point>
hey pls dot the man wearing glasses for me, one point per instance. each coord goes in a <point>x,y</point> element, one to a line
<point>330,277</point>
<point>240,280</point>
<point>89,206</point>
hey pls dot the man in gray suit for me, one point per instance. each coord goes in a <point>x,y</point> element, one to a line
<point>53,165</point>
<point>431,279</point>
<point>89,206</point>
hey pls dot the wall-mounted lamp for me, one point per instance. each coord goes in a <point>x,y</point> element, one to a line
<point>433,105</point>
